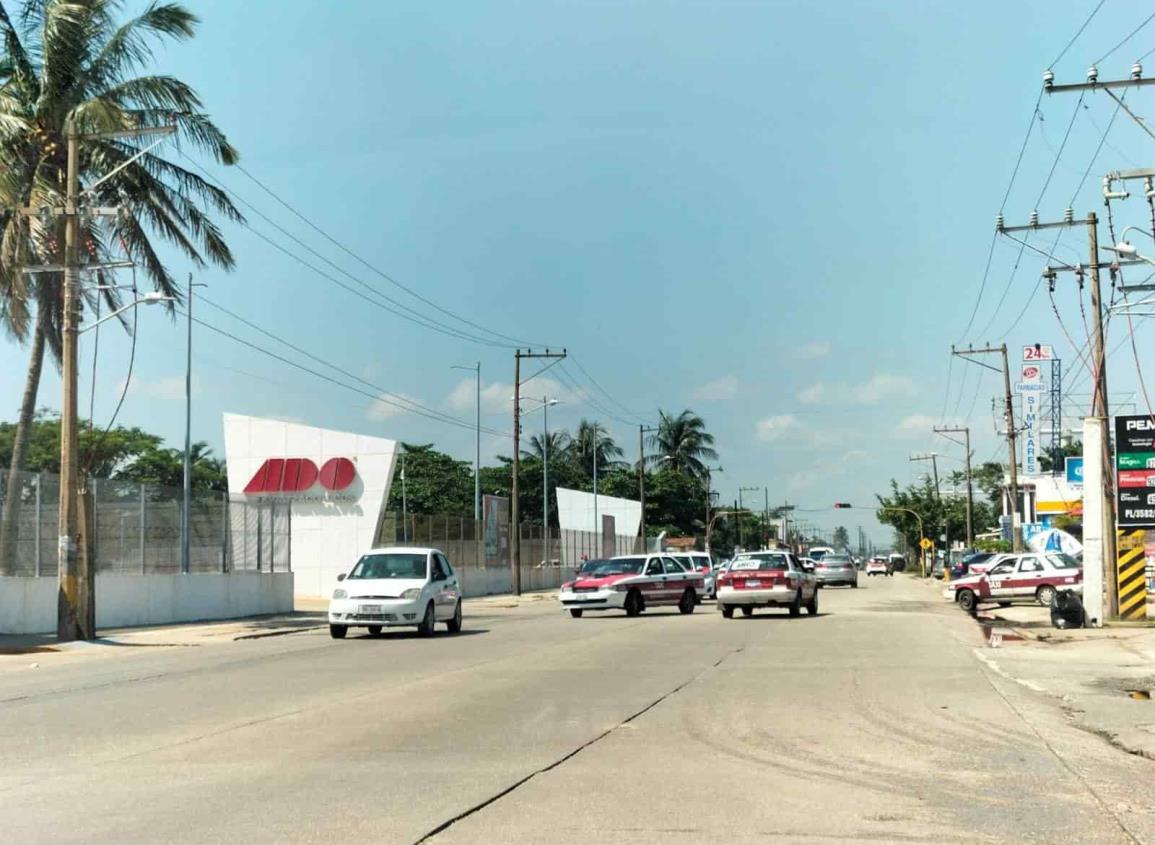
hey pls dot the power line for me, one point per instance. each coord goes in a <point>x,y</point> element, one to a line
<point>1075,37</point>
<point>412,315</point>
<point>1132,34</point>
<point>416,406</point>
<point>436,417</point>
<point>603,391</point>
<point>373,268</point>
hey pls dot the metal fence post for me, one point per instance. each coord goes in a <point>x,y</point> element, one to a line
<point>36,544</point>
<point>142,511</point>
<point>259,544</point>
<point>225,526</point>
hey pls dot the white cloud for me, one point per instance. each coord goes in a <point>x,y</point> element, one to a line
<point>882,386</point>
<point>812,394</point>
<point>917,424</point>
<point>856,456</point>
<point>165,387</point>
<point>718,390</point>
<point>805,480</point>
<point>777,427</point>
<point>388,406</point>
<point>813,350</point>
<point>497,397</point>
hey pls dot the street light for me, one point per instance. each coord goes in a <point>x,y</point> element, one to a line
<point>710,524</point>
<point>545,404</point>
<point>709,473</point>
<point>150,298</point>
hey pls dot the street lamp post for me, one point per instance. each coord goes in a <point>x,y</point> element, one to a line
<point>186,500</point>
<point>709,479</point>
<point>546,402</point>
<point>742,507</point>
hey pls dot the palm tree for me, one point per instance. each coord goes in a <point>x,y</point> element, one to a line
<point>70,62</point>
<point>682,443</point>
<point>591,442</point>
<point>557,444</point>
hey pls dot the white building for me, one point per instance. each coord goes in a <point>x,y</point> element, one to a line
<point>337,483</point>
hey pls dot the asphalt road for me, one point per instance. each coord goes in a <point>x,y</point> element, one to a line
<point>876,721</point>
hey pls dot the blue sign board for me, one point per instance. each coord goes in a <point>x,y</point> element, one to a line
<point>1075,471</point>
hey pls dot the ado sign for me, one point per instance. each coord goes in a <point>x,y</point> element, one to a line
<point>296,475</point>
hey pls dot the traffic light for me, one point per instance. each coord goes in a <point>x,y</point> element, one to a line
<point>842,505</point>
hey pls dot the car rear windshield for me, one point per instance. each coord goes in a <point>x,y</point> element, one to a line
<point>836,559</point>
<point>621,566</point>
<point>390,565</point>
<point>1063,562</point>
<point>776,562</point>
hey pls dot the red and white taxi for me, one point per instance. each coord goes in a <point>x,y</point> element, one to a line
<point>878,565</point>
<point>1018,577</point>
<point>633,583</point>
<point>767,579</point>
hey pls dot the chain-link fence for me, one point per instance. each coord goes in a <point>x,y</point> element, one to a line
<point>137,529</point>
<point>462,540</point>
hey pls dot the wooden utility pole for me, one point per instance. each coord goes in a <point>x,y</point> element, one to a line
<point>1012,433</point>
<point>514,509</point>
<point>643,430</point>
<point>966,432</point>
<point>1099,409</point>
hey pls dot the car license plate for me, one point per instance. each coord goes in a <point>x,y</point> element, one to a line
<point>753,584</point>
<point>371,608</point>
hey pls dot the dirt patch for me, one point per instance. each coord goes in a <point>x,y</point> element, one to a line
<point>27,649</point>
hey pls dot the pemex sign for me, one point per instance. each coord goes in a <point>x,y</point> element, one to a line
<point>301,475</point>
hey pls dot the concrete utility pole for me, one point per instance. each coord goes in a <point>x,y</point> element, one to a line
<point>1012,458</point>
<point>1099,405</point>
<point>709,484</point>
<point>76,591</point>
<point>476,368</point>
<point>515,526</point>
<point>933,458</point>
<point>964,430</point>
<point>76,615</point>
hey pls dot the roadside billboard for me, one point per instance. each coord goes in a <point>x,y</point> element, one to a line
<point>1135,462</point>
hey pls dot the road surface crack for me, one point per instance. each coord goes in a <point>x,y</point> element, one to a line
<point>497,796</point>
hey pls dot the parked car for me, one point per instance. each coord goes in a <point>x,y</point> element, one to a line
<point>633,583</point>
<point>703,564</point>
<point>816,553</point>
<point>897,562</point>
<point>588,566</point>
<point>767,579</point>
<point>396,586</point>
<point>973,564</point>
<point>1018,577</point>
<point>836,569</point>
<point>878,565</point>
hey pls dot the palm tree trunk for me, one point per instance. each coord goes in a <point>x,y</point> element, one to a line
<point>9,531</point>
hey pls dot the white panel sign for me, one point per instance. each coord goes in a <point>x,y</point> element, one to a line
<point>337,483</point>
<point>1031,401</point>
<point>1038,352</point>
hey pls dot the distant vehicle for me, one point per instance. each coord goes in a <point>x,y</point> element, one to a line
<point>973,564</point>
<point>767,579</point>
<point>588,566</point>
<point>1018,577</point>
<point>633,583</point>
<point>878,565</point>
<point>937,567</point>
<point>835,569</point>
<point>703,564</point>
<point>818,552</point>
<point>897,562</point>
<point>396,586</point>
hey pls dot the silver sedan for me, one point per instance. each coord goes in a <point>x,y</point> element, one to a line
<point>836,569</point>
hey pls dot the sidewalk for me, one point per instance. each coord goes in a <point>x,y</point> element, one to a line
<point>309,615</point>
<point>1104,677</point>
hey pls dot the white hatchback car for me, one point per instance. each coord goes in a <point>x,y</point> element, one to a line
<point>397,587</point>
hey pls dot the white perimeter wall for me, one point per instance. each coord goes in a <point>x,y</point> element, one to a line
<point>28,605</point>
<point>576,512</point>
<point>328,535</point>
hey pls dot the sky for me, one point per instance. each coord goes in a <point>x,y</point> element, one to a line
<point>777,214</point>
